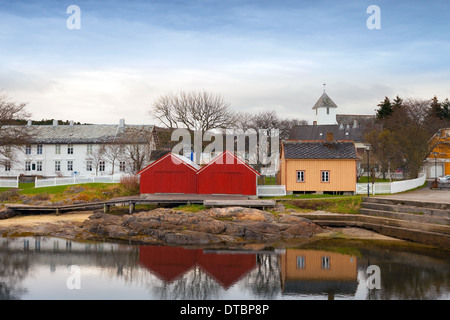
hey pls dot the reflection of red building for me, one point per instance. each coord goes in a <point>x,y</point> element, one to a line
<point>170,263</point>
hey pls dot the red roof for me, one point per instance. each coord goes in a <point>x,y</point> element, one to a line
<point>170,263</point>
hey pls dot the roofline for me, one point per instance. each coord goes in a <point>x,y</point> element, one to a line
<point>170,154</point>
<point>232,154</point>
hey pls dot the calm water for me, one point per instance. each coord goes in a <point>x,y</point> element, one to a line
<point>51,268</point>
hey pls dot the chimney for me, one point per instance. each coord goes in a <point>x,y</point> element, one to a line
<point>355,123</point>
<point>71,123</point>
<point>55,123</point>
<point>330,136</point>
<point>29,123</point>
<point>314,123</point>
<point>122,123</point>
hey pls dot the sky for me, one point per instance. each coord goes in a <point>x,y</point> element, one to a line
<point>258,55</point>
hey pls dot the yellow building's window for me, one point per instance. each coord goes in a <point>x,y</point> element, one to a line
<point>300,176</point>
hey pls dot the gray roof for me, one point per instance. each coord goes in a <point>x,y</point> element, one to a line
<point>94,133</point>
<point>319,132</point>
<point>324,102</point>
<point>319,150</point>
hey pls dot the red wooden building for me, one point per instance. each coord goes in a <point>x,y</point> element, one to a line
<point>227,174</point>
<point>171,173</point>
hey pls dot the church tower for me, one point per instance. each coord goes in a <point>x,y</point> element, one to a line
<point>325,110</point>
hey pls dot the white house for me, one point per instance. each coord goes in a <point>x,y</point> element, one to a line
<point>82,150</point>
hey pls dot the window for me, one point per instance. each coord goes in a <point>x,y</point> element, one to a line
<point>300,176</point>
<point>326,262</point>
<point>27,149</point>
<point>39,166</point>
<point>325,176</point>
<point>89,165</point>
<point>89,149</point>
<point>7,166</point>
<point>301,262</point>
<point>328,110</point>
<point>101,166</point>
<point>58,165</point>
<point>57,149</point>
<point>70,149</point>
<point>69,165</point>
<point>39,149</point>
<point>122,166</point>
<point>27,165</point>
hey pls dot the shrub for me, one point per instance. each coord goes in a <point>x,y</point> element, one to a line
<point>131,183</point>
<point>9,195</point>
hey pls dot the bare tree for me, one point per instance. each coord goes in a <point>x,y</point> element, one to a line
<point>97,156</point>
<point>137,143</point>
<point>13,137</point>
<point>112,153</point>
<point>199,112</point>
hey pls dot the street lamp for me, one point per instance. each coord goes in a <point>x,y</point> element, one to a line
<point>368,169</point>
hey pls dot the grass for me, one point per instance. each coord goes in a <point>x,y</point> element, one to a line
<point>349,204</point>
<point>190,208</point>
<point>88,192</point>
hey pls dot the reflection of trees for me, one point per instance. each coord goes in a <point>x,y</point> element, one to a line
<point>193,285</point>
<point>13,270</point>
<point>409,276</point>
<point>264,281</point>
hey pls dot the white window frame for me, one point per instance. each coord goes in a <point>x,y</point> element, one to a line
<point>325,176</point>
<point>69,165</point>
<point>57,165</point>
<point>301,175</point>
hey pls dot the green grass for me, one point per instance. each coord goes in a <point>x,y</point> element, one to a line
<point>191,207</point>
<point>349,204</point>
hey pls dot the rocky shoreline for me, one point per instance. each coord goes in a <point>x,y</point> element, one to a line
<point>231,226</point>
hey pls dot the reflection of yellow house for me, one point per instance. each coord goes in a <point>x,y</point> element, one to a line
<point>438,145</point>
<point>317,271</point>
<point>318,166</point>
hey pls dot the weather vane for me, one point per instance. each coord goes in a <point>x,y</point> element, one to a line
<point>324,87</point>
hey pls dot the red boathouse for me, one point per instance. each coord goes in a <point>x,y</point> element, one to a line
<point>227,174</point>
<point>171,173</point>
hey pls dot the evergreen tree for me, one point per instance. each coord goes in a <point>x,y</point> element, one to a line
<point>385,109</point>
<point>445,109</point>
<point>436,108</point>
<point>397,103</point>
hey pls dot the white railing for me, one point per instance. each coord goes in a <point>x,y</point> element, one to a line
<point>9,183</point>
<point>390,187</point>
<point>75,180</point>
<point>271,191</point>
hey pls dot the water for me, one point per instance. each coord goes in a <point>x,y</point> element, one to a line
<point>54,269</point>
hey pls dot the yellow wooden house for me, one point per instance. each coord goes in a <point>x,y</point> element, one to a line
<point>318,166</point>
<point>437,163</point>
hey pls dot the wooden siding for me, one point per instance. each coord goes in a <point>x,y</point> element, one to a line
<point>342,175</point>
<point>168,175</point>
<point>227,174</point>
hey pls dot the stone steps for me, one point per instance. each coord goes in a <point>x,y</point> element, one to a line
<point>417,221</point>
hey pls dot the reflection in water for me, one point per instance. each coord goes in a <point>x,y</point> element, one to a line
<point>37,268</point>
<point>317,272</point>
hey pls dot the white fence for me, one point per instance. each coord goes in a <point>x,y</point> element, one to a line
<point>390,187</point>
<point>75,180</point>
<point>9,183</point>
<point>271,191</point>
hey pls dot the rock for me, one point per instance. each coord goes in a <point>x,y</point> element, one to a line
<point>233,225</point>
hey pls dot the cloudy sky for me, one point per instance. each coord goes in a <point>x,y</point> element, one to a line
<point>259,55</point>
